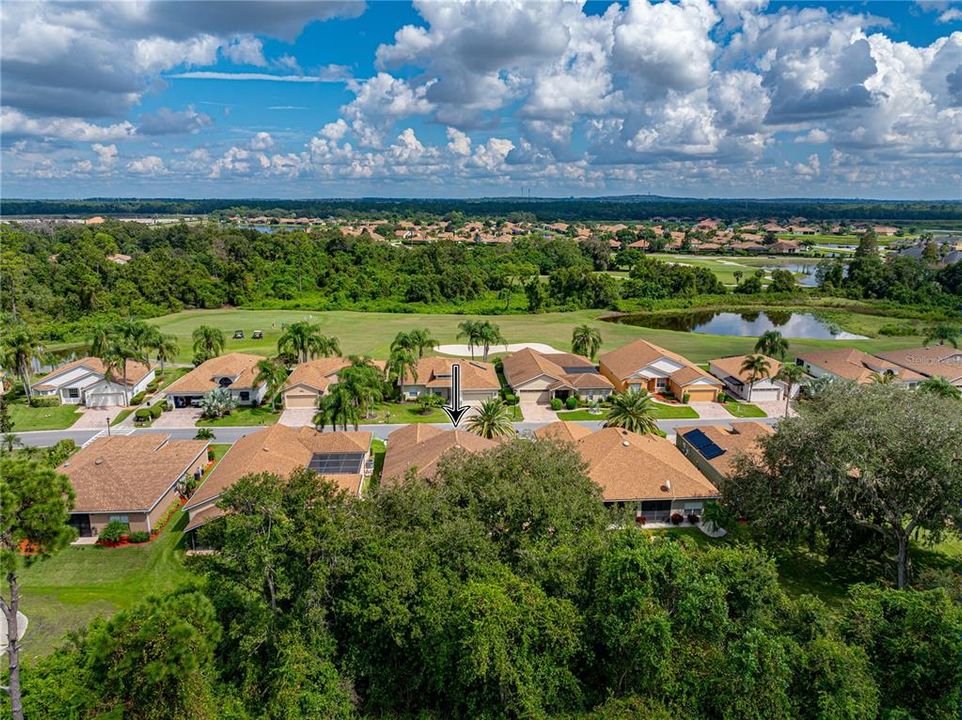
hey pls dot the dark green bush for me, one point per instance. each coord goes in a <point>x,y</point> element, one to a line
<point>556,404</point>
<point>139,536</point>
<point>113,532</point>
<point>156,410</point>
<point>138,398</point>
<point>142,414</point>
<point>572,402</point>
<point>49,401</point>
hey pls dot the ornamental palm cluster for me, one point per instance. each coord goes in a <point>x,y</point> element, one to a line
<point>492,419</point>
<point>116,344</point>
<point>304,340</point>
<point>632,410</point>
<point>480,333</point>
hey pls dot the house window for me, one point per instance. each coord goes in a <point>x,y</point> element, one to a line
<point>224,382</point>
<point>73,393</point>
<point>125,519</point>
<point>245,396</point>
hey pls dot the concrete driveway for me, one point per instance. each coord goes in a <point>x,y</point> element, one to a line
<point>535,412</point>
<point>177,418</point>
<point>297,417</point>
<point>95,418</point>
<point>710,411</point>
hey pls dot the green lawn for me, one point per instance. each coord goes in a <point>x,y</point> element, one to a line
<point>660,412</point>
<point>26,418</point>
<point>744,410</point>
<point>243,417</point>
<point>404,413</point>
<point>122,415</point>
<point>378,449</point>
<point>371,333</point>
<point>80,583</point>
<point>580,415</point>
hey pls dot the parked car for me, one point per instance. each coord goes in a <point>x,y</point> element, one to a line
<point>238,334</point>
<point>257,335</point>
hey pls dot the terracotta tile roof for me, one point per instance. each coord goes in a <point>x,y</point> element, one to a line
<point>732,366</point>
<point>625,361</point>
<point>436,372</point>
<point>737,439</point>
<point>856,365</point>
<point>320,373</point>
<point>128,472</point>
<point>421,446</point>
<point>135,372</point>
<point>562,430</point>
<point>527,364</point>
<point>627,466</point>
<point>241,366</point>
<point>280,450</point>
<point>939,360</point>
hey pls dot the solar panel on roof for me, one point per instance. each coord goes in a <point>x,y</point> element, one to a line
<point>579,370</point>
<point>698,438</point>
<point>336,463</point>
<point>711,451</point>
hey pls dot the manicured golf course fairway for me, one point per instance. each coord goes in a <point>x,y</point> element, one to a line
<point>371,333</point>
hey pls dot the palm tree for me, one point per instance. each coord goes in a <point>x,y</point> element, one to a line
<point>99,339</point>
<point>491,420</point>
<point>337,407</point>
<point>401,364</point>
<point>209,342</point>
<point>362,382</point>
<point>165,347</point>
<point>940,387</point>
<point>470,330</point>
<point>20,349</point>
<point>772,343</point>
<point>791,376</point>
<point>121,351</point>
<point>272,374</point>
<point>884,378</point>
<point>757,366</point>
<point>489,334</point>
<point>306,341</point>
<point>585,340</point>
<point>632,410</point>
<point>942,334</point>
<point>421,340</point>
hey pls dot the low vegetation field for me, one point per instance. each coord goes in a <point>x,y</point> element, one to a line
<point>371,333</point>
<point>26,418</point>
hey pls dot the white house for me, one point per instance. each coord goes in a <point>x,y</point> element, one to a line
<point>738,382</point>
<point>85,382</point>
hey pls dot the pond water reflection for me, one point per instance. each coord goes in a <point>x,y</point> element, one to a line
<point>745,324</point>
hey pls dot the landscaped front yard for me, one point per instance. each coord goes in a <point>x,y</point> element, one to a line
<point>403,413</point>
<point>660,411</point>
<point>243,417</point>
<point>79,583</point>
<point>744,410</point>
<point>26,418</point>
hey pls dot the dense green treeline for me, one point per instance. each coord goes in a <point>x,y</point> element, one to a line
<point>497,590</point>
<point>630,207</point>
<point>59,281</point>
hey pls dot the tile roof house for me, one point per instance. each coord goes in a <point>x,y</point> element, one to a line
<point>311,380</point>
<point>714,448</point>
<point>942,361</point>
<point>86,382</point>
<point>641,364</point>
<point>278,449</point>
<point>479,380</point>
<point>130,478</point>
<point>644,472</point>
<point>542,376</point>
<point>737,381</point>
<point>418,448</point>
<point>233,370</point>
<point>854,365</point>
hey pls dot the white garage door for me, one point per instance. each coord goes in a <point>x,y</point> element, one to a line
<point>768,394</point>
<point>477,395</point>
<point>300,400</point>
<point>104,400</point>
<point>537,396</point>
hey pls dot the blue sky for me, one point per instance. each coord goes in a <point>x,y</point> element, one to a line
<point>732,98</point>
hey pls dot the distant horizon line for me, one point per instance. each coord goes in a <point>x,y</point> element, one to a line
<point>482,198</point>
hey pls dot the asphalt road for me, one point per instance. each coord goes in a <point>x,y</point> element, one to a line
<point>230,435</point>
